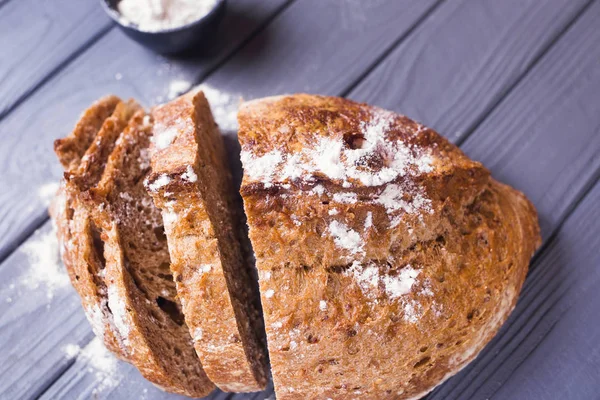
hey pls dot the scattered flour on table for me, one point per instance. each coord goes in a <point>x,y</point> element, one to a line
<point>71,350</point>
<point>178,87</point>
<point>157,15</point>
<point>47,191</point>
<point>99,361</point>
<point>45,268</point>
<point>102,364</point>
<point>224,105</point>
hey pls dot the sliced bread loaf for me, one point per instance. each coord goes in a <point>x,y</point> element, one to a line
<point>137,289</point>
<point>190,182</point>
<point>387,258</point>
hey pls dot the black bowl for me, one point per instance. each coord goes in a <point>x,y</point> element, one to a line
<point>174,40</point>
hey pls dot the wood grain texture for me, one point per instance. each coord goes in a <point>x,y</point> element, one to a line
<point>36,323</point>
<point>117,65</point>
<point>319,47</point>
<point>456,65</point>
<point>38,38</point>
<point>544,138</point>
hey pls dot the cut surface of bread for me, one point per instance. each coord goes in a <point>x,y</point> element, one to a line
<point>190,182</point>
<point>130,271</point>
<point>387,259</point>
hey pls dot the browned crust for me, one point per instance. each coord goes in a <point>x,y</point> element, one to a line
<point>195,238</point>
<point>92,164</point>
<point>71,148</point>
<point>332,335</point>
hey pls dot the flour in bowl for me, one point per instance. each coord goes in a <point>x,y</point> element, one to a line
<point>158,15</point>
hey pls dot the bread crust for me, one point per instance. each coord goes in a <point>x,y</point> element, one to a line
<point>192,186</point>
<point>381,274</point>
<point>71,148</point>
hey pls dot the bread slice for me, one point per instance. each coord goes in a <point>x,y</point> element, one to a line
<point>81,248</point>
<point>191,184</point>
<point>138,290</point>
<point>387,259</point>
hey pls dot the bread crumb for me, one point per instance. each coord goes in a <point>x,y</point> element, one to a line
<point>323,305</point>
<point>333,211</point>
<point>197,334</point>
<point>269,293</point>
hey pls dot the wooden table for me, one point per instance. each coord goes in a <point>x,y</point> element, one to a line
<point>515,83</point>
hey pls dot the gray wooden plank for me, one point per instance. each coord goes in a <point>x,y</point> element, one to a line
<point>36,309</point>
<point>553,349</point>
<point>38,37</point>
<point>544,138</point>
<point>319,47</point>
<point>453,70</point>
<point>76,381</point>
<point>115,64</point>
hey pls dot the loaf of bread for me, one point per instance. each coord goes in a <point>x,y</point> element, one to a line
<point>116,250</point>
<point>387,258</point>
<point>190,182</point>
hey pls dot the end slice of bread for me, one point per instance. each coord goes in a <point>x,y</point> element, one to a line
<point>190,182</point>
<point>81,248</point>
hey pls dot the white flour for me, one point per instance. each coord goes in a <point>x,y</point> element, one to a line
<point>47,191</point>
<point>45,267</point>
<point>158,15</point>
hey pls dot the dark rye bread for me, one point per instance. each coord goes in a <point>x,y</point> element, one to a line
<point>387,258</point>
<point>138,289</point>
<point>190,182</point>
